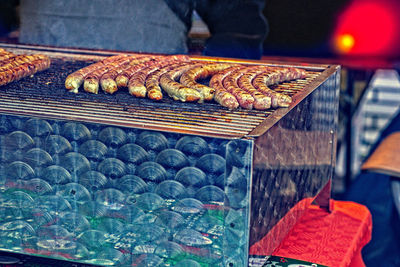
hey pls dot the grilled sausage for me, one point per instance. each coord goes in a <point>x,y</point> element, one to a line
<point>108,80</point>
<point>136,84</point>
<point>152,83</point>
<point>176,90</point>
<point>4,52</point>
<point>222,96</point>
<point>277,99</point>
<point>11,74</point>
<point>230,83</point>
<point>19,60</point>
<point>92,80</point>
<point>287,74</point>
<point>5,55</point>
<point>25,60</point>
<point>298,74</point>
<point>276,75</point>
<point>261,101</point>
<point>189,79</point>
<point>75,79</point>
<point>122,79</point>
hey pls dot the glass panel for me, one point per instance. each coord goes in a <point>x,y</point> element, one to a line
<point>116,196</point>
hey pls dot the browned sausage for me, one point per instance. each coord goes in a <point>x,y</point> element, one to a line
<point>136,84</point>
<point>11,74</point>
<point>175,89</point>
<point>273,76</point>
<point>5,55</point>
<point>25,60</point>
<point>153,87</point>
<point>286,74</point>
<point>92,80</point>
<point>230,83</point>
<point>75,79</point>
<point>123,78</point>
<point>261,101</point>
<point>277,99</point>
<point>222,96</point>
<point>108,80</point>
<point>19,60</point>
<point>189,78</point>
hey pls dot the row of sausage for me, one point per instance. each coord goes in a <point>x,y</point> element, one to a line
<point>14,67</point>
<point>232,85</point>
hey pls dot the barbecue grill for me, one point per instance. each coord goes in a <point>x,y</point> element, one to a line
<point>117,180</point>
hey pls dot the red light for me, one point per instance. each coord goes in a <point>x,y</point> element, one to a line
<point>367,28</point>
<point>344,43</point>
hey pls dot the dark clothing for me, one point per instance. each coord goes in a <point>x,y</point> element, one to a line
<point>374,191</point>
<point>237,27</point>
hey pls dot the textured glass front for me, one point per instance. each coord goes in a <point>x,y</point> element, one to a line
<point>293,161</point>
<point>109,195</point>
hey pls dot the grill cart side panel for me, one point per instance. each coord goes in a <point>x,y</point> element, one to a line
<point>293,162</point>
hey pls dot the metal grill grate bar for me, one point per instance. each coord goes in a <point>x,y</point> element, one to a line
<point>44,96</point>
<point>198,127</point>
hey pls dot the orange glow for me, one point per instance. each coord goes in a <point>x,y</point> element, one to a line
<point>368,28</point>
<point>344,42</point>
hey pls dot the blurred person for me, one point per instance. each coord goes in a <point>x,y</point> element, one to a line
<point>238,27</point>
<point>8,17</point>
<point>374,190</point>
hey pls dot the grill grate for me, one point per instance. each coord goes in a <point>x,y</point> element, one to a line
<point>44,95</point>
